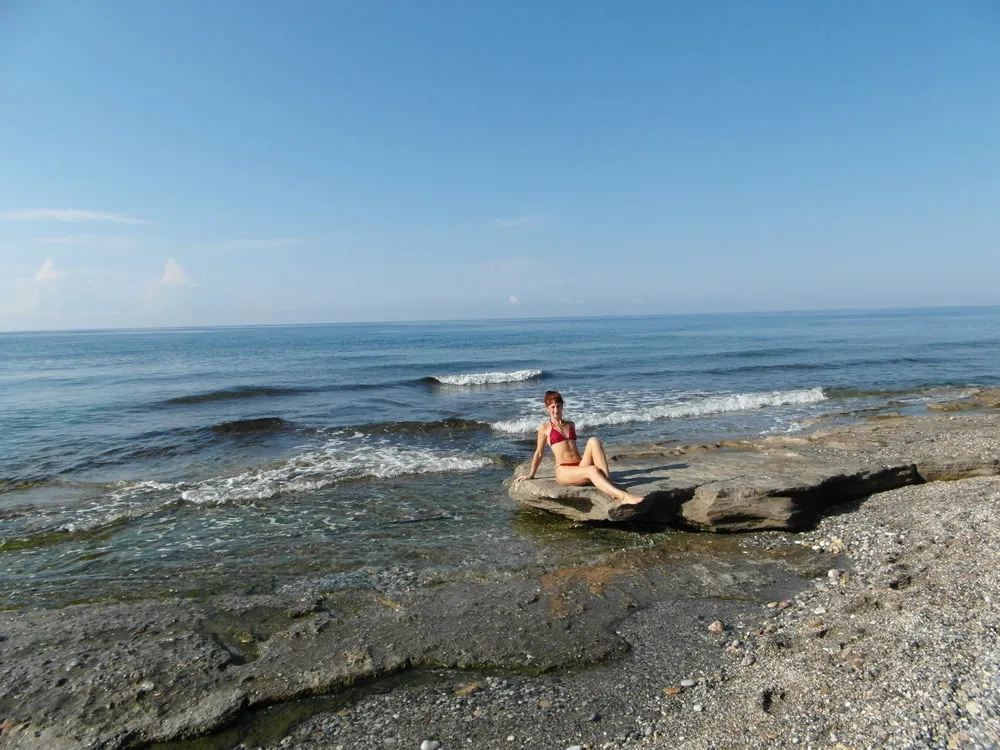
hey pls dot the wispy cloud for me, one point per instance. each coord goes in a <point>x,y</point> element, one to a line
<point>514,299</point>
<point>67,214</point>
<point>174,274</point>
<point>519,221</point>
<point>106,241</point>
<point>274,243</point>
<point>47,272</point>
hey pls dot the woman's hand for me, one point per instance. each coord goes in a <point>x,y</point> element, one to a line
<point>522,478</point>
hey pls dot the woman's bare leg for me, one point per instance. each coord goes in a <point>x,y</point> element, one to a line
<point>593,453</point>
<point>581,475</point>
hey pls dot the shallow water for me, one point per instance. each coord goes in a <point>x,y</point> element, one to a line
<point>145,463</point>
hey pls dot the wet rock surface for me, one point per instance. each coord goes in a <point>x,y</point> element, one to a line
<point>128,674</point>
<point>878,627</point>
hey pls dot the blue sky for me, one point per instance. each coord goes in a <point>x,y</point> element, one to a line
<point>229,162</point>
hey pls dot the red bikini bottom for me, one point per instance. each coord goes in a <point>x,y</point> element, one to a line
<point>571,463</point>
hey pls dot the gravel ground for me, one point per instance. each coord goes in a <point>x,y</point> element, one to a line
<point>895,646</point>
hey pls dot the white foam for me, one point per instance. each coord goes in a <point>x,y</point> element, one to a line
<point>488,378</point>
<point>521,426</point>
<point>127,500</point>
<point>336,461</point>
<point>690,407</point>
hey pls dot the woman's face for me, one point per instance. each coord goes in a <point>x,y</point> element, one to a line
<point>554,408</point>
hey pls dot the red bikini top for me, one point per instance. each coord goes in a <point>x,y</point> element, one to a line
<point>557,437</point>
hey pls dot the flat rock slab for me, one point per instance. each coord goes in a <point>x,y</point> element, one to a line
<point>778,482</point>
<point>120,676</point>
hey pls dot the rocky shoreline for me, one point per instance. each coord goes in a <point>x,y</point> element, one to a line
<point>895,645</point>
<point>877,627</point>
<point>778,482</point>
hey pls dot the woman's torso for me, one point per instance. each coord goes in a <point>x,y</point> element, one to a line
<point>562,441</point>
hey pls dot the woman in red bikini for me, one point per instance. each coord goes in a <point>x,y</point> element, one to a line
<point>572,468</point>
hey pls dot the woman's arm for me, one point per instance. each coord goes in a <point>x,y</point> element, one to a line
<point>539,451</point>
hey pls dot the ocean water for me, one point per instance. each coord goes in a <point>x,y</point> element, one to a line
<point>257,459</point>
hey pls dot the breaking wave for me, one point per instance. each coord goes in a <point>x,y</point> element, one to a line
<point>697,407</point>
<point>486,378</point>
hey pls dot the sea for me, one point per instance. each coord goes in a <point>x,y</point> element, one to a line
<point>249,460</point>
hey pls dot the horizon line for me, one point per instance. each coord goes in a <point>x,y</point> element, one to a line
<point>434,321</point>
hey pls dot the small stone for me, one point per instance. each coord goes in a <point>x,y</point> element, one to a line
<point>698,707</point>
<point>688,683</point>
<point>784,605</point>
<point>545,703</point>
<point>304,607</point>
<point>819,611</point>
<point>716,627</point>
<point>749,660</point>
<point>772,605</point>
<point>833,574</point>
<point>430,745</point>
<point>671,690</point>
<point>595,716</point>
<point>466,690</point>
<point>510,738</point>
<point>575,747</point>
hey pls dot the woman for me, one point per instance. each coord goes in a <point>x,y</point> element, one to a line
<point>572,468</point>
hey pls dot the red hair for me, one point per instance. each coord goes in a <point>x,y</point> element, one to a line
<point>553,397</point>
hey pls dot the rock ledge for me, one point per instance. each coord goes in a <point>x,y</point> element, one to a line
<point>776,483</point>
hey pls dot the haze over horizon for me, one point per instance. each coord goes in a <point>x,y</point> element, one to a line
<point>235,163</point>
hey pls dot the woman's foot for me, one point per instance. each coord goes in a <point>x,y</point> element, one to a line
<point>627,498</point>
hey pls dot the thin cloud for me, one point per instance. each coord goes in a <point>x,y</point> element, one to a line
<point>174,274</point>
<point>248,244</point>
<point>514,223</point>
<point>514,299</point>
<point>67,214</point>
<point>47,272</point>
<point>106,241</point>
